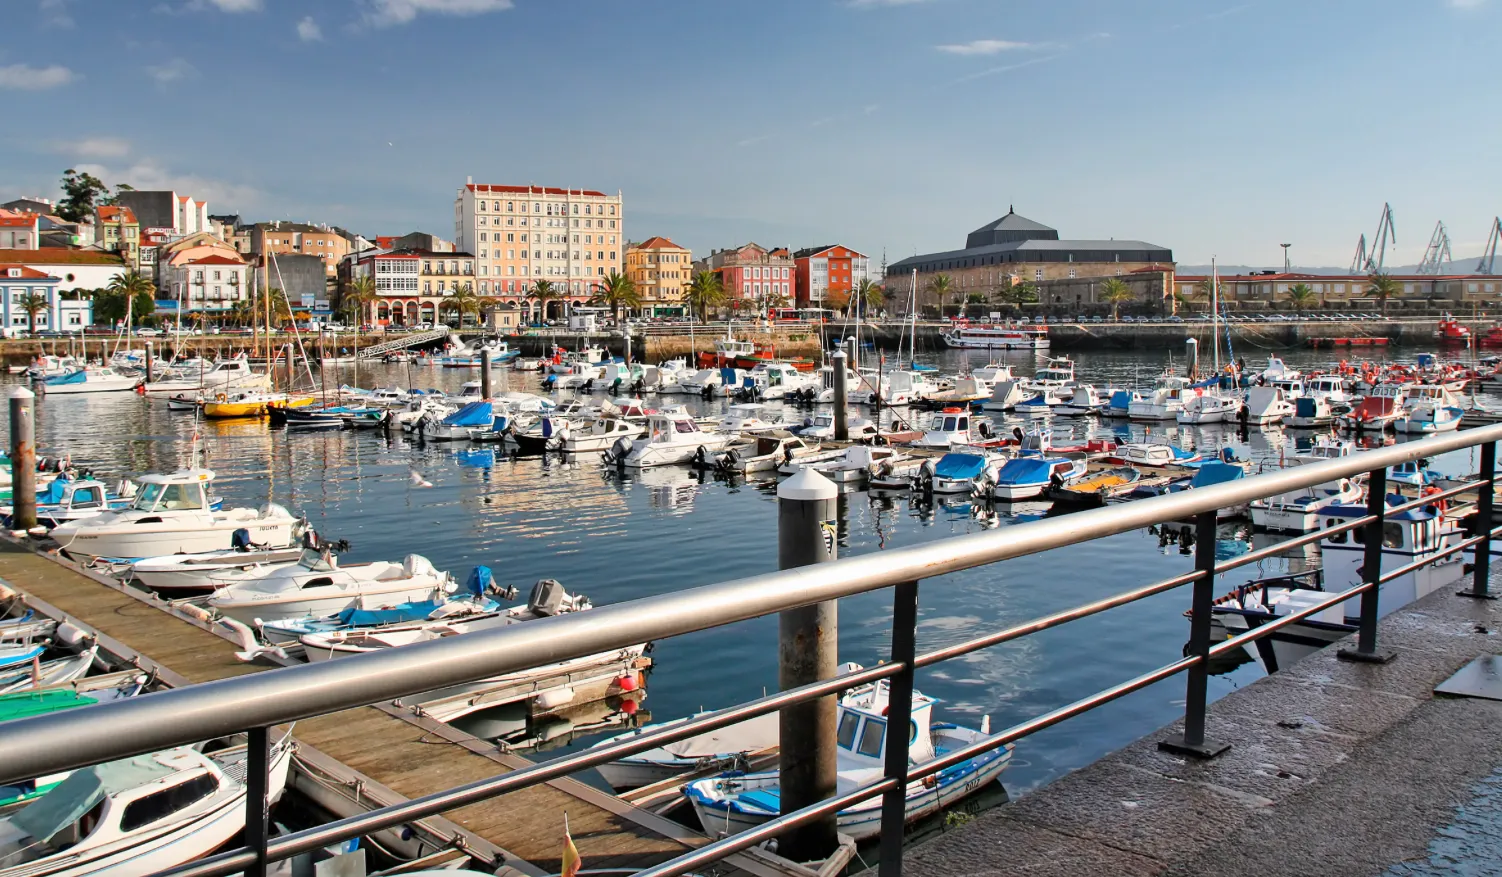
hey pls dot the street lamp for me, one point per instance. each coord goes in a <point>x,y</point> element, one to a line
<point>1285,257</point>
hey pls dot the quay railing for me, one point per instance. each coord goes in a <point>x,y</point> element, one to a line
<point>256,702</point>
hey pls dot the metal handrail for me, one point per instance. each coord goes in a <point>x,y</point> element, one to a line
<point>53,743</point>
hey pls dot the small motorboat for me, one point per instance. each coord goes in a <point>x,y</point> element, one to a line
<point>1119,403</point>
<point>672,437</point>
<point>746,418</point>
<point>954,426</point>
<point>89,379</point>
<point>1311,411</point>
<point>461,425</point>
<point>1155,455</point>
<point>183,575</point>
<point>600,434</point>
<point>65,499</point>
<point>955,472</point>
<point>771,452</point>
<point>1029,476</point>
<point>1094,488</point>
<point>1431,408</point>
<point>1378,409</point>
<point>854,465</point>
<point>821,426</point>
<point>317,585</point>
<point>1265,405</point>
<point>1082,400</point>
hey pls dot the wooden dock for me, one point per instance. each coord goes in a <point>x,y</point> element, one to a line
<point>389,750</point>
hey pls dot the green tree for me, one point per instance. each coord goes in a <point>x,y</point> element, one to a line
<point>542,292</point>
<point>1021,293</point>
<point>115,198</point>
<point>127,292</point>
<point>941,285</point>
<point>1300,295</point>
<point>618,291</point>
<point>463,301</point>
<point>704,292</point>
<point>357,297</point>
<point>241,312</point>
<point>1115,293</point>
<point>1382,287</point>
<point>869,295</point>
<point>80,192</point>
<point>33,303</point>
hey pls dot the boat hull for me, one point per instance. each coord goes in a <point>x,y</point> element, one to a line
<point>158,540</point>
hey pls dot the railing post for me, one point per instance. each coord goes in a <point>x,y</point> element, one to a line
<point>808,651</point>
<point>1482,569</point>
<point>841,415</point>
<point>485,372</point>
<point>23,459</point>
<point>1193,742</point>
<point>899,719</point>
<point>1371,570</point>
<point>257,805</point>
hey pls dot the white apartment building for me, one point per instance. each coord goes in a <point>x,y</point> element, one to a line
<point>522,234</point>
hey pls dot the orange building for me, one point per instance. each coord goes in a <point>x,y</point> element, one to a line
<point>825,276</point>
<point>661,271</point>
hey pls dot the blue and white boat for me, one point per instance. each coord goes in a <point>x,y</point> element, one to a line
<point>1412,473</point>
<point>1120,403</point>
<point>462,424</point>
<point>1431,408</point>
<point>65,499</point>
<point>1027,477</point>
<point>736,801</point>
<point>955,472</point>
<point>92,379</point>
<point>20,654</point>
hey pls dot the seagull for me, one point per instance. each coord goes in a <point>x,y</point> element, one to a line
<point>419,481</point>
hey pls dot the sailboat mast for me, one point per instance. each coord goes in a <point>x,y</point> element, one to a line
<point>1215,313</point>
<point>912,315</point>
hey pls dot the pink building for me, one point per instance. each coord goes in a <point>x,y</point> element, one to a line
<point>752,273</point>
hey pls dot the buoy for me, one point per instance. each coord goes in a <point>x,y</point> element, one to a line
<point>626,682</point>
<point>629,707</point>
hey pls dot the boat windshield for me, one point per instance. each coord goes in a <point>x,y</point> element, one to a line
<point>146,499</point>
<point>169,497</point>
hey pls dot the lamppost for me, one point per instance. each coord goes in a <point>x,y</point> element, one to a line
<point>1285,257</point>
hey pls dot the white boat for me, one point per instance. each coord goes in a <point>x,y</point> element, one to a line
<point>1378,409</point>
<point>821,426</point>
<point>952,426</point>
<point>600,434</point>
<point>772,381</point>
<point>1408,537</point>
<point>746,418</point>
<point>1207,405</point>
<point>1267,405</point>
<point>893,389</point>
<point>1430,408</point>
<point>1154,454</point>
<point>1164,402</point>
<point>957,472</point>
<point>185,574</point>
<point>672,437</point>
<point>318,585</point>
<point>1057,373</point>
<point>1044,400</point>
<point>1005,395</point>
<point>1119,403</point>
<point>1298,511</point>
<point>461,425</point>
<point>735,802</point>
<point>1083,399</point>
<point>136,816</point>
<point>1276,370</point>
<point>854,465</point>
<point>997,338</point>
<point>64,499</point>
<point>1311,411</point>
<point>226,375</point>
<point>728,746</point>
<point>1029,476</point>
<point>967,391</point>
<point>173,514</point>
<point>770,452</point>
<point>90,379</point>
<point>1330,388</point>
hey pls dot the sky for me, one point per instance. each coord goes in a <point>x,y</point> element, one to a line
<point>1214,127</point>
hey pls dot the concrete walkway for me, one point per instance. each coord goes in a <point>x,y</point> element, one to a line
<point>1336,770</point>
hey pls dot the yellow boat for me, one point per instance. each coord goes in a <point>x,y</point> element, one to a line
<point>249,404</point>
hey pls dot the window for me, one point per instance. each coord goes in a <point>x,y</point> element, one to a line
<point>1392,535</point>
<point>871,735</point>
<point>846,735</point>
<point>159,805</point>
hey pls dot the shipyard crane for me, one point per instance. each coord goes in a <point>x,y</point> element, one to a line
<point>1370,260</point>
<point>1438,251</point>
<point>1489,255</point>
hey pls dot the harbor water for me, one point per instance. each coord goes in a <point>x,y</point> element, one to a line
<point>616,537</point>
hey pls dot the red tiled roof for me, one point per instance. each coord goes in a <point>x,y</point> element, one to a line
<point>657,242</point>
<point>26,273</point>
<point>217,260</point>
<point>61,256</point>
<point>116,214</point>
<point>533,190</point>
<point>17,219</point>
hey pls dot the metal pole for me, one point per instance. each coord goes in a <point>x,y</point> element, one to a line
<point>148,362</point>
<point>1371,570</point>
<point>258,770</point>
<point>485,373</point>
<point>626,333</point>
<point>841,417</point>
<point>23,459</point>
<point>899,718</point>
<point>808,651</point>
<point>1483,567</point>
<point>1193,742</point>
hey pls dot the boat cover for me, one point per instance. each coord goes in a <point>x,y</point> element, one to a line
<point>957,466</point>
<point>70,799</point>
<point>1025,470</point>
<point>480,578</point>
<point>1121,399</point>
<point>1304,406</point>
<point>55,492</point>
<point>395,615</point>
<point>1216,473</point>
<point>473,414</point>
<point>751,735</point>
<point>37,703</point>
<point>74,377</point>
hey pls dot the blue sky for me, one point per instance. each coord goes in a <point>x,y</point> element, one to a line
<point>1209,126</point>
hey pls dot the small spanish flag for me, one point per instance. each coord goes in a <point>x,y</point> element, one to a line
<point>571,860</point>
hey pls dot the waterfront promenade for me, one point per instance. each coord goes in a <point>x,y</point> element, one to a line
<point>1335,769</point>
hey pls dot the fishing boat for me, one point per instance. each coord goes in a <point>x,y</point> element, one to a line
<point>1083,399</point>
<point>1163,402</point>
<point>728,748</point>
<point>461,425</point>
<point>1331,388</point>
<point>88,379</point>
<point>672,437</point>
<point>171,514</point>
<point>997,338</point>
<point>1029,476</point>
<point>1094,488</point>
<point>66,499</point>
<point>1451,331</point>
<point>1311,411</point>
<point>1409,537</point>
<point>1430,408</point>
<point>319,585</point>
<point>138,815</point>
<point>1057,373</point>
<point>737,801</point>
<point>1298,511</point>
<point>1414,473</point>
<point>1207,405</point>
<point>1266,405</point>
<point>954,426</point>
<point>46,674</point>
<point>1378,409</point>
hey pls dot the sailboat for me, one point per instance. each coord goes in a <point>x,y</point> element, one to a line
<point>1208,404</point>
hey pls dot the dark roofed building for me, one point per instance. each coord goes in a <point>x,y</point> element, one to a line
<point>152,209</point>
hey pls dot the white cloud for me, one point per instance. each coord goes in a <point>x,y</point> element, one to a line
<point>23,77</point>
<point>148,175</point>
<point>92,147</point>
<point>982,47</point>
<point>308,30</point>
<point>237,5</point>
<point>172,72</point>
<point>383,13</point>
<point>55,13</point>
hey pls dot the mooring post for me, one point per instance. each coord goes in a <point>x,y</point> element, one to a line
<point>808,651</point>
<point>485,372</point>
<point>841,416</point>
<point>1484,500</point>
<point>1193,742</point>
<point>148,362</point>
<point>257,798</point>
<point>1371,570</point>
<point>23,459</point>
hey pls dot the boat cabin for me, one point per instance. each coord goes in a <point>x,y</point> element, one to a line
<point>670,426</point>
<point>1407,537</point>
<point>470,390</point>
<point>180,491</point>
<point>1060,369</point>
<point>1326,386</point>
<point>861,734</point>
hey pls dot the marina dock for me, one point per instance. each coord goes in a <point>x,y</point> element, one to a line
<point>380,754</point>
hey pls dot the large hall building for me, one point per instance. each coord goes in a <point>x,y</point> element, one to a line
<point>1014,248</point>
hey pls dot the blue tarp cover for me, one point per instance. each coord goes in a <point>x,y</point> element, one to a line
<point>959,466</point>
<point>73,377</point>
<point>1025,470</point>
<point>473,414</point>
<point>479,579</point>
<point>1216,473</point>
<point>395,615</point>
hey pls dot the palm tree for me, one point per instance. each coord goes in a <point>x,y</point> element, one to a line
<point>941,285</point>
<point>704,292</point>
<point>1205,289</point>
<point>1300,295</point>
<point>1115,292</point>
<point>869,294</point>
<point>134,291</point>
<point>1382,287</point>
<point>542,292</point>
<point>240,312</point>
<point>618,291</point>
<point>33,303</point>
<point>462,301</point>
<point>360,294</point>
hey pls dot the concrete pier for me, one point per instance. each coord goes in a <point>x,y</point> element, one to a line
<point>1335,769</point>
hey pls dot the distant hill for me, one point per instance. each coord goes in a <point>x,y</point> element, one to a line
<point>1463,265</point>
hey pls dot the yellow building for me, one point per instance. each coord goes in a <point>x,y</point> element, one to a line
<point>119,232</point>
<point>661,271</point>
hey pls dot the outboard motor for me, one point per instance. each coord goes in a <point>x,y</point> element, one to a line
<point>240,539</point>
<point>547,598</point>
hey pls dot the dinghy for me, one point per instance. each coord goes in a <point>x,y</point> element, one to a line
<point>317,585</point>
<point>730,746</point>
<point>183,575</point>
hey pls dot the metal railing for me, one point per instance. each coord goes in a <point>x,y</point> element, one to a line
<point>258,701</point>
